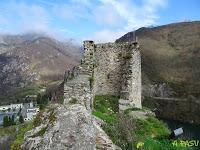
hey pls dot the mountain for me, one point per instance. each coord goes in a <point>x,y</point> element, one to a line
<point>170,59</point>
<point>30,61</point>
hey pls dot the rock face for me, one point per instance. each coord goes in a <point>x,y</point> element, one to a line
<point>74,129</point>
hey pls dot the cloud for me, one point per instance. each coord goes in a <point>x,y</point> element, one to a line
<point>107,15</point>
<point>105,36</point>
<point>128,14</point>
<point>110,18</point>
<point>23,17</point>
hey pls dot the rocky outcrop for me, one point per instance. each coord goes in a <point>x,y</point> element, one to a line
<point>74,129</point>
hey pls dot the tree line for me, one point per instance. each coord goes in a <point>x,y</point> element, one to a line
<point>10,120</point>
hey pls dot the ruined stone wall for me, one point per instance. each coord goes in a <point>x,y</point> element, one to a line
<point>78,86</point>
<point>111,69</point>
<point>130,95</point>
<point>107,72</point>
<point>117,72</point>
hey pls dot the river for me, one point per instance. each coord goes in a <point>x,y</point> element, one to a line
<point>190,131</point>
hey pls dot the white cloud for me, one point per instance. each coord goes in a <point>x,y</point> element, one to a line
<point>133,16</point>
<point>29,18</point>
<point>105,36</point>
<point>112,18</point>
<point>107,15</point>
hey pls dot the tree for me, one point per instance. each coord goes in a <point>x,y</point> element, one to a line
<point>5,121</point>
<point>21,119</point>
<point>19,112</point>
<point>13,120</point>
<point>38,99</point>
<point>9,121</point>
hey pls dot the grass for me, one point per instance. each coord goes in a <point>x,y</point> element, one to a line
<point>7,130</point>
<point>151,127</point>
<point>126,132</point>
<point>107,118</point>
<point>106,104</point>
<point>22,129</point>
<point>132,109</point>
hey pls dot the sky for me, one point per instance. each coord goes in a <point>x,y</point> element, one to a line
<point>97,20</point>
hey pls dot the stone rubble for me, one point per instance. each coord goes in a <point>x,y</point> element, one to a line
<point>74,129</point>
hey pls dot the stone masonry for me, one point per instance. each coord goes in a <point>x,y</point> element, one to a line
<point>106,69</point>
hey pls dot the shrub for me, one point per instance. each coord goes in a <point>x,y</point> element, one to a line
<point>38,119</point>
<point>21,119</point>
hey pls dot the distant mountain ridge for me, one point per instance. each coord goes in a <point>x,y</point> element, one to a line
<point>170,59</point>
<point>32,59</point>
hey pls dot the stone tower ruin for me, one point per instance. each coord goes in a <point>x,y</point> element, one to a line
<point>114,68</point>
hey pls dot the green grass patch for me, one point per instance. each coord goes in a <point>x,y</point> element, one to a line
<point>105,117</point>
<point>7,130</point>
<point>126,132</point>
<point>152,144</point>
<point>151,127</point>
<point>22,129</point>
<point>106,104</point>
<point>132,109</point>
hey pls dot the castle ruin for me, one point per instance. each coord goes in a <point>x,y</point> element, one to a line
<point>106,69</point>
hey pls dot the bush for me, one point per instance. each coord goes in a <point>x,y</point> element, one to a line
<point>122,131</point>
<point>8,121</point>
<point>43,100</point>
<point>21,119</point>
<point>38,119</point>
